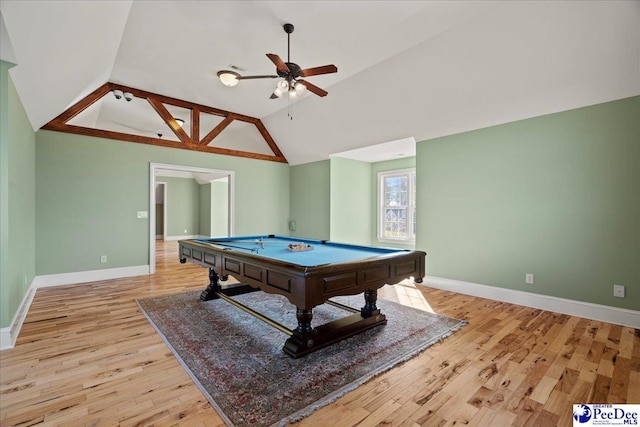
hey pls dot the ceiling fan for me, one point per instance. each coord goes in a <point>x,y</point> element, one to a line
<point>290,72</point>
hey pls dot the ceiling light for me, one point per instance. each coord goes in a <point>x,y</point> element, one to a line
<point>283,85</point>
<point>180,122</point>
<point>128,96</point>
<point>299,87</point>
<point>117,93</point>
<point>229,78</point>
<point>277,92</point>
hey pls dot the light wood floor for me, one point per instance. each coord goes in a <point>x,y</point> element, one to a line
<point>87,356</point>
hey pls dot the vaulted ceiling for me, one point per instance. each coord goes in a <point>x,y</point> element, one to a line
<point>406,69</point>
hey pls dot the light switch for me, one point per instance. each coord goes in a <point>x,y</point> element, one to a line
<point>143,214</point>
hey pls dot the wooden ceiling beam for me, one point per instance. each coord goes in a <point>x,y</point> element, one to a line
<point>268,139</point>
<point>158,102</point>
<point>101,133</point>
<point>83,104</point>
<point>217,130</point>
<point>195,124</point>
<point>139,93</point>
<point>169,120</point>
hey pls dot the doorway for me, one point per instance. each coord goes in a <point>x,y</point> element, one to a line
<point>160,210</point>
<point>161,173</point>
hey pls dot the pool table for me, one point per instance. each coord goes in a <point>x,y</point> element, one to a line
<point>307,272</point>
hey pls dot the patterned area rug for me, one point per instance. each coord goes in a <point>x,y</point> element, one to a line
<point>238,363</point>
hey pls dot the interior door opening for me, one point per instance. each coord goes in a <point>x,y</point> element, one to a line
<point>188,202</point>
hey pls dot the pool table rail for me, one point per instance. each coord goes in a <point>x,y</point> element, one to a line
<point>307,287</point>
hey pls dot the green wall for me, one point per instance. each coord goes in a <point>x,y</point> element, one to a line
<point>17,199</point>
<point>557,196</point>
<point>160,219</point>
<point>310,199</point>
<point>220,209</point>
<point>350,201</point>
<point>205,210</point>
<point>183,206</point>
<point>89,189</point>
<point>389,165</point>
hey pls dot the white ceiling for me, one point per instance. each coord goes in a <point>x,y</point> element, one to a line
<point>406,69</point>
<point>405,147</point>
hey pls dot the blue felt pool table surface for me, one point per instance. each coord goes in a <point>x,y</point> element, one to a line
<point>276,247</point>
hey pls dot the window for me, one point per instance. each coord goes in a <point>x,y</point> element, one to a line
<point>397,206</point>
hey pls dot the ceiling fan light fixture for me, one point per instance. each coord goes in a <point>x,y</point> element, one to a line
<point>299,87</point>
<point>277,92</point>
<point>283,85</point>
<point>229,78</point>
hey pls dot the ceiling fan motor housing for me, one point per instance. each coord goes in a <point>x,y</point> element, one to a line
<point>294,71</point>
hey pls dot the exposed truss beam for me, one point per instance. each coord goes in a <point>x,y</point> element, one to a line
<point>158,102</point>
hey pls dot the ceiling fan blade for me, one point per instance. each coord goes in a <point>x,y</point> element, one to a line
<point>313,88</point>
<point>265,76</point>
<point>280,65</point>
<point>325,69</point>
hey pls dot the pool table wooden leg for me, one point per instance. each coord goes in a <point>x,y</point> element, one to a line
<point>211,291</point>
<point>370,308</point>
<point>304,321</point>
<point>305,339</point>
<point>214,286</point>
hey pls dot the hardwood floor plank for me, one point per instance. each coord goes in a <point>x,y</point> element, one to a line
<point>86,355</point>
<point>633,390</point>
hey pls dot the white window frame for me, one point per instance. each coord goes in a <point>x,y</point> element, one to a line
<point>411,205</point>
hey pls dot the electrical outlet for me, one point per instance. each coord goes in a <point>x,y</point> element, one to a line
<point>618,291</point>
<point>528,278</point>
<point>103,259</point>
<point>143,214</point>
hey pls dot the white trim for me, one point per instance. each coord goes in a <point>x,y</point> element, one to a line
<point>604,313</point>
<point>89,276</point>
<point>6,342</point>
<point>9,334</point>
<point>184,236</point>
<point>411,194</point>
<point>153,167</point>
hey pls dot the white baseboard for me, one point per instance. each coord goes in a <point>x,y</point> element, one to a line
<point>604,313</point>
<point>89,276</point>
<point>183,237</point>
<point>9,335</point>
<point>6,341</point>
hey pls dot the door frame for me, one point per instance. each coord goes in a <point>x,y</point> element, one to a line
<point>153,169</point>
